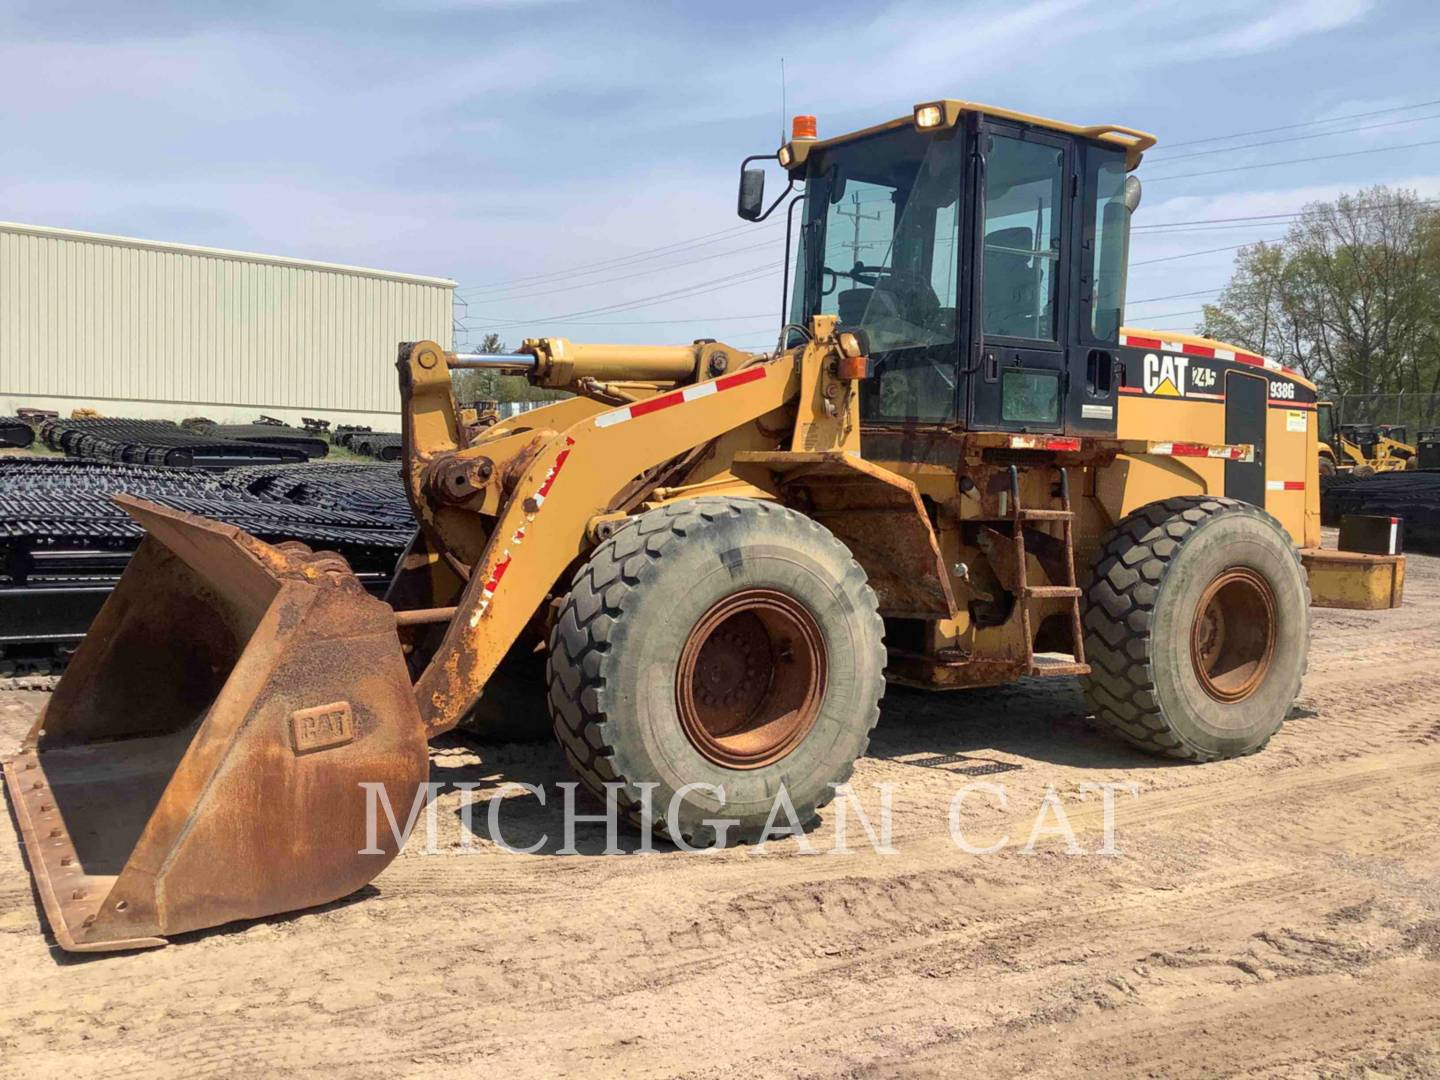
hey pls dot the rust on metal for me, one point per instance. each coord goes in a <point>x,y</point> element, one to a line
<point>953,669</point>
<point>425,616</point>
<point>873,512</point>
<point>322,726</point>
<point>1232,635</point>
<point>173,793</point>
<point>751,678</point>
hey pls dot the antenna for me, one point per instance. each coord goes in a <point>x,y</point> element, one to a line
<point>783,108</point>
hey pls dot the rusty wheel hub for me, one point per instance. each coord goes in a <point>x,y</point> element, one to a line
<point>1232,639</point>
<point>751,678</point>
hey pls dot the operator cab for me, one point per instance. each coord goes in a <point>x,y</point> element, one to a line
<point>982,255</point>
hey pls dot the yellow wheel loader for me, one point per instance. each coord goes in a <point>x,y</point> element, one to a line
<point>1361,449</point>
<point>955,469</point>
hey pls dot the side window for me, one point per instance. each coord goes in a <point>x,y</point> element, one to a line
<point>1107,270</point>
<point>1024,182</point>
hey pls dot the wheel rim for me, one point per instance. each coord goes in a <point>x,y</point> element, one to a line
<point>1232,639</point>
<point>751,678</point>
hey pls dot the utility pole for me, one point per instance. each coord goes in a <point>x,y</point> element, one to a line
<point>856,216</point>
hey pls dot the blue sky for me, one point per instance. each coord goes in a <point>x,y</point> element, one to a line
<point>495,141</point>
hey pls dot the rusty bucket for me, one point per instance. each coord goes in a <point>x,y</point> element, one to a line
<point>203,758</point>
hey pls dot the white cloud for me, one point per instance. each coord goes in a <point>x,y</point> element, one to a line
<point>1287,22</point>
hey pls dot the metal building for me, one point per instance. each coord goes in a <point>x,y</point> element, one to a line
<point>138,328</point>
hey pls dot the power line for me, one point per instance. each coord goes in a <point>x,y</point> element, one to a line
<point>667,322</point>
<point>1300,138</point>
<point>1307,123</point>
<point>497,291</point>
<point>1287,215</point>
<point>607,263</point>
<point>1174,296</point>
<point>698,289</point>
<point>1192,254</point>
<point>636,256</point>
<point>1294,161</point>
<point>507,296</point>
<point>1173,314</point>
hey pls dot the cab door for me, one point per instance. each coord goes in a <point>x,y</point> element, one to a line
<point>1019,381</point>
<point>1247,400</point>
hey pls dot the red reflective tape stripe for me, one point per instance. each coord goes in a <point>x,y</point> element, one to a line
<point>677,397</point>
<point>740,378</point>
<point>1143,342</point>
<point>1042,442</point>
<point>1294,485</point>
<point>1248,358</point>
<point>555,469</point>
<point>1131,390</point>
<point>497,574</point>
<point>655,404</point>
<point>1198,350</point>
<point>1394,521</point>
<point>1181,449</point>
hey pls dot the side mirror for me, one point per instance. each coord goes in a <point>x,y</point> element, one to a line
<point>751,203</point>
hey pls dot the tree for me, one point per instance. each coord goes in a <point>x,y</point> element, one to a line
<point>1351,297</point>
<point>473,386</point>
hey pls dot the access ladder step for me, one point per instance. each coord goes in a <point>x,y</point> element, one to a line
<point>1032,514</point>
<point>1045,667</point>
<point>1052,592</point>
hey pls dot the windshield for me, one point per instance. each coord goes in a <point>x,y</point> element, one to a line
<point>879,251</point>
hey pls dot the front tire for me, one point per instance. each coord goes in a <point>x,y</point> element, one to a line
<point>1197,626</point>
<point>727,642</point>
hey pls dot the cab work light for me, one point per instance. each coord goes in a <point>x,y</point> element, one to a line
<point>929,116</point>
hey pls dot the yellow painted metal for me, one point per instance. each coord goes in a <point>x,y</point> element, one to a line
<point>1350,579</point>
<point>547,494</point>
<point>1130,140</point>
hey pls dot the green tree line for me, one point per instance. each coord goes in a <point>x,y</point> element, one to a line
<point>1351,297</point>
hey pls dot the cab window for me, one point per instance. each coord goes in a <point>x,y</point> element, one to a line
<point>1023,186</point>
<point>881,254</point>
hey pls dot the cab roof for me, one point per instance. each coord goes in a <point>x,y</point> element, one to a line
<point>1132,141</point>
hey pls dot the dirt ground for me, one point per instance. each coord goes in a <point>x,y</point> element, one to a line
<point>1276,916</point>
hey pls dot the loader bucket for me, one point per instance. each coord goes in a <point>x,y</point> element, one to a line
<point>202,758</point>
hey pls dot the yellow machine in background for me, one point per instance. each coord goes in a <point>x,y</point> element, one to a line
<point>1363,449</point>
<point>955,469</point>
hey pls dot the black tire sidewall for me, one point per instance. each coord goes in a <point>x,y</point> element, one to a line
<point>644,731</point>
<point>1231,539</point>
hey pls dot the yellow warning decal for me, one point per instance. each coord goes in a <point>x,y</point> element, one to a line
<point>1165,388</point>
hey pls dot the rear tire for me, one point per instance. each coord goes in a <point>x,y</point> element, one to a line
<point>718,641</point>
<point>1197,626</point>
